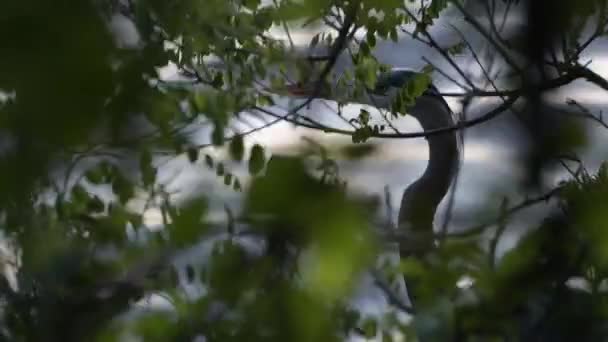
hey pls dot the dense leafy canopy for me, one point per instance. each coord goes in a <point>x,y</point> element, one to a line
<point>87,121</point>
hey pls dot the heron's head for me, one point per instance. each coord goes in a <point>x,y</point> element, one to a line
<point>389,83</point>
<point>397,78</point>
<point>310,89</point>
<point>392,79</point>
<point>381,95</point>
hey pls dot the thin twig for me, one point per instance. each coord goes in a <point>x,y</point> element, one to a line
<point>502,226</point>
<point>390,294</point>
<point>446,75</point>
<point>473,21</point>
<point>584,113</point>
<point>523,205</point>
<point>439,49</point>
<point>475,57</point>
<point>432,132</point>
<point>285,27</point>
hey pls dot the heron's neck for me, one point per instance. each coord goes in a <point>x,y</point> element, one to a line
<point>421,199</point>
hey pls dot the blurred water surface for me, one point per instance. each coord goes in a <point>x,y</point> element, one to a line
<point>489,170</point>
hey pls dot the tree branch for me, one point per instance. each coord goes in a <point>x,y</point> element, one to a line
<point>506,213</point>
<point>461,125</point>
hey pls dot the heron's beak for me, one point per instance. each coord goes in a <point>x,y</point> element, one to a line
<point>298,90</point>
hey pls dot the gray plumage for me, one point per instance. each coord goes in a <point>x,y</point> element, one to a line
<point>421,199</point>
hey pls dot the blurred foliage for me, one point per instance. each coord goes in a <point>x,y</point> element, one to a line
<point>85,119</point>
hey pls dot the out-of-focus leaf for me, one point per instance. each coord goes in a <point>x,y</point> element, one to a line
<point>370,328</point>
<point>217,135</point>
<point>95,175</point>
<point>257,159</point>
<point>358,151</point>
<point>123,188</point>
<point>190,273</point>
<point>192,153</point>
<point>95,205</point>
<point>220,170</point>
<point>237,148</point>
<point>187,226</point>
<point>209,161</point>
<point>79,194</point>
<point>237,185</point>
<point>148,171</point>
<point>228,179</point>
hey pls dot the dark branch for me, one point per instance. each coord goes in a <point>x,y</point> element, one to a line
<point>506,213</point>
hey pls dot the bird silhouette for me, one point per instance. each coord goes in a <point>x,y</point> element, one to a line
<point>420,199</point>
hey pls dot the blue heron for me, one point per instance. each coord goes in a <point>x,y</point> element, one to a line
<point>420,199</point>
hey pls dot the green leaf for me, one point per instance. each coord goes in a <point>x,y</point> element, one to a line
<point>209,161</point>
<point>192,153</point>
<point>367,72</point>
<point>228,179</point>
<point>456,49</point>
<point>200,101</point>
<point>263,19</point>
<point>220,171</point>
<point>190,274</point>
<point>393,35</point>
<point>371,39</point>
<point>187,226</point>
<point>148,172</point>
<point>414,89</point>
<point>418,85</point>
<point>95,175</point>
<point>358,151</point>
<point>251,4</point>
<point>364,117</point>
<point>123,188</point>
<point>95,205</point>
<point>218,80</point>
<point>365,49</point>
<point>257,159</point>
<point>237,185</point>
<point>361,134</point>
<point>237,148</point>
<point>79,194</point>
<point>315,40</point>
<point>265,100</point>
<point>370,328</point>
<point>217,136</point>
<point>411,267</point>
